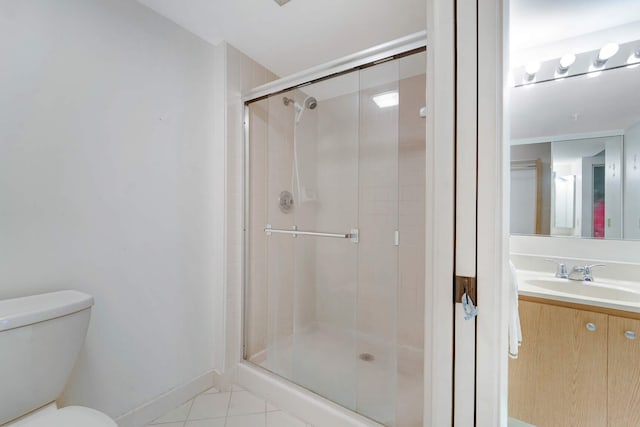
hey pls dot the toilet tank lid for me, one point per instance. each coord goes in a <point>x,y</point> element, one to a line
<point>23,311</point>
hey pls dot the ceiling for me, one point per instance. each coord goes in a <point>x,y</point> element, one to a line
<point>541,22</point>
<point>300,34</point>
<point>305,33</point>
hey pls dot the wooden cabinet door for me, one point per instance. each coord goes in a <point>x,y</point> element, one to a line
<point>560,376</point>
<point>624,372</point>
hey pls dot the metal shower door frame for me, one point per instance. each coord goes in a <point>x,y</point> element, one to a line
<point>439,209</point>
<point>396,49</point>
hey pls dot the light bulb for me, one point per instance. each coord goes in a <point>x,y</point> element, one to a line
<point>634,59</point>
<point>530,71</point>
<point>606,52</point>
<point>532,68</point>
<point>567,61</point>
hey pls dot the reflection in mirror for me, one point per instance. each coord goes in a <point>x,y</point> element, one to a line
<point>574,156</point>
<point>574,115</point>
<point>580,183</point>
<point>564,188</point>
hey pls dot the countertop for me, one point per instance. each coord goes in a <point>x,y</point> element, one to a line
<point>612,294</point>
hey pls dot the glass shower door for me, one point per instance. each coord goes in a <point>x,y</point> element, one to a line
<point>335,286</point>
<point>325,189</point>
<point>303,260</point>
<point>377,309</point>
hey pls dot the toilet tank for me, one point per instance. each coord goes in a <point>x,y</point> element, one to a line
<point>40,339</point>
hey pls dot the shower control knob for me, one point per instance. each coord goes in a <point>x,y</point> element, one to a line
<point>285,201</point>
<point>591,326</point>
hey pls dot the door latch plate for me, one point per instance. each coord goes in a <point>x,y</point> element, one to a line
<point>462,285</point>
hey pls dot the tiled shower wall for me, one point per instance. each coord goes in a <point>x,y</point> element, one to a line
<point>242,74</point>
<point>328,137</point>
<point>411,180</point>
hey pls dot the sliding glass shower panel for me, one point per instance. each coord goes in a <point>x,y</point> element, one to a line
<point>411,248</point>
<point>303,236</point>
<point>325,187</point>
<point>335,270</point>
<point>378,250</point>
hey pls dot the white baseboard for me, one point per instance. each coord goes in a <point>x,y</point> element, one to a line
<point>149,411</point>
<point>298,401</point>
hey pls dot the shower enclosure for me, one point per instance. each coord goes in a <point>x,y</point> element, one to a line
<point>334,260</point>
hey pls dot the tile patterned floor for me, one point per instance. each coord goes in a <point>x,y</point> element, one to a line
<point>235,408</point>
<point>517,423</point>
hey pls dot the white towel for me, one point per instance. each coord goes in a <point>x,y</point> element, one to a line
<point>515,333</point>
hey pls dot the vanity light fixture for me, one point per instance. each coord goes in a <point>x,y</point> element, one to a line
<point>530,71</point>
<point>606,52</point>
<point>589,64</point>
<point>386,99</point>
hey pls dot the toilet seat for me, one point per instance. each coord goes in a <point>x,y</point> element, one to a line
<point>71,416</point>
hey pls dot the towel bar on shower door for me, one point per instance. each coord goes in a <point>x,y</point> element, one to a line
<point>352,235</point>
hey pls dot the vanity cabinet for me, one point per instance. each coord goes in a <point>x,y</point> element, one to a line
<point>624,372</point>
<point>575,368</point>
<point>560,376</point>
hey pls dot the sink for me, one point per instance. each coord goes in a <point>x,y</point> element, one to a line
<point>595,290</point>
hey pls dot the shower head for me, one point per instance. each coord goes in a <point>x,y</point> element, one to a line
<point>310,102</point>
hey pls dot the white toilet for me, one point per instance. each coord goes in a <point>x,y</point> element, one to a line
<point>40,338</point>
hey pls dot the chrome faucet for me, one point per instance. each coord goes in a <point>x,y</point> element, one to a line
<point>586,270</point>
<point>561,271</point>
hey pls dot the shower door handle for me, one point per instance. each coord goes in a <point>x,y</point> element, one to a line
<point>352,235</point>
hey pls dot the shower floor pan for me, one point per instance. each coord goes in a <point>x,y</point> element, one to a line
<point>352,369</point>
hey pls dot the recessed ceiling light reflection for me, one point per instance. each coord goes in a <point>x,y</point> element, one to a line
<point>386,99</point>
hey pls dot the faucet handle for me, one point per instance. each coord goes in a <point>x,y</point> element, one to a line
<point>588,274</point>
<point>561,272</point>
<point>589,267</point>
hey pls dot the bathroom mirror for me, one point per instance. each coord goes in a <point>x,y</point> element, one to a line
<point>575,148</point>
<point>570,188</point>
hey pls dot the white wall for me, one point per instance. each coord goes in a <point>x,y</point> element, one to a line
<point>631,185</point>
<point>569,248</point>
<point>107,186</point>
